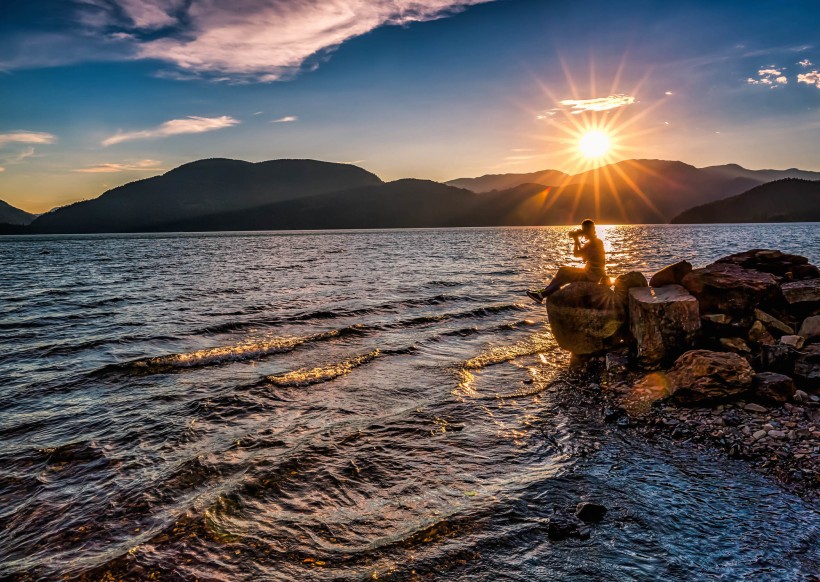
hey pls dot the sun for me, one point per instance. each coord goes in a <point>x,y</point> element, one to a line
<point>594,144</point>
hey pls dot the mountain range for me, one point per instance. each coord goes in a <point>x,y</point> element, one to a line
<point>223,194</point>
<point>11,215</point>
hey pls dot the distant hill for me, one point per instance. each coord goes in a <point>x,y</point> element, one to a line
<point>491,182</point>
<point>11,215</point>
<point>737,171</point>
<point>201,188</point>
<point>788,200</point>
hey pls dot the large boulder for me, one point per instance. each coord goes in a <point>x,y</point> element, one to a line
<point>773,388</point>
<point>807,291</point>
<point>728,288</point>
<point>627,281</point>
<point>664,322</point>
<point>785,266</point>
<point>807,367</point>
<point>671,274</point>
<point>705,376</point>
<point>585,317</point>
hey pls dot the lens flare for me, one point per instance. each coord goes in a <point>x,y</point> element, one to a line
<point>594,144</point>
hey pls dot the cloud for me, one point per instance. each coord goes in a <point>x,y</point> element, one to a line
<point>811,78</point>
<point>191,124</point>
<point>141,165</point>
<point>771,76</point>
<point>36,137</point>
<point>805,63</point>
<point>252,40</point>
<point>286,119</point>
<point>598,104</point>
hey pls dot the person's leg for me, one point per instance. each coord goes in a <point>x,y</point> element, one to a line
<point>562,277</point>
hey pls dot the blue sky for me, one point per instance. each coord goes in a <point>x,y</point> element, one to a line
<point>96,93</point>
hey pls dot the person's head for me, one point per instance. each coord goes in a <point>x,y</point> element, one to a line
<point>588,228</point>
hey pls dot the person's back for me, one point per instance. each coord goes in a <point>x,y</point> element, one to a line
<point>594,257</point>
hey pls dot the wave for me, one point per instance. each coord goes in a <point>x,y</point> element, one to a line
<point>308,376</point>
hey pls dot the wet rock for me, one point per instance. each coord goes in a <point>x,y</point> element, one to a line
<point>561,527</point>
<point>807,291</point>
<point>664,321</point>
<point>772,323</point>
<point>772,387</point>
<point>810,329</point>
<point>760,335</point>
<point>590,512</point>
<point>623,283</point>
<point>585,317</point>
<point>671,274</point>
<point>728,288</point>
<point>702,376</point>
<point>807,367</point>
<point>734,344</point>
<point>794,341</point>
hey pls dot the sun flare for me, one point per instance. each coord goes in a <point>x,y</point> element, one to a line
<point>594,144</point>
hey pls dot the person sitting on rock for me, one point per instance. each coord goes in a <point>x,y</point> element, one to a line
<point>594,263</point>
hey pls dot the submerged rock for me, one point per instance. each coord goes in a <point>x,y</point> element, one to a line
<point>703,376</point>
<point>585,317</point>
<point>728,288</point>
<point>590,512</point>
<point>773,387</point>
<point>671,274</point>
<point>663,321</point>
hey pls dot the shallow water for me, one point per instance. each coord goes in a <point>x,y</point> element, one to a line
<point>346,405</point>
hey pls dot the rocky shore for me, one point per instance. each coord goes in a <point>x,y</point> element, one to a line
<point>725,357</point>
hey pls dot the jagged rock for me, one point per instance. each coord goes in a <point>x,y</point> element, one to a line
<point>671,274</point>
<point>703,376</point>
<point>717,318</point>
<point>734,344</point>
<point>760,335</point>
<point>778,358</point>
<point>590,512</point>
<point>810,330</point>
<point>775,262</point>
<point>794,341</point>
<point>663,321</point>
<point>728,288</point>
<point>773,323</point>
<point>772,387</point>
<point>807,291</point>
<point>627,281</point>
<point>585,317</point>
<point>807,367</point>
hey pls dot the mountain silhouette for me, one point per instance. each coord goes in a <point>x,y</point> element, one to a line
<point>491,182</point>
<point>11,215</point>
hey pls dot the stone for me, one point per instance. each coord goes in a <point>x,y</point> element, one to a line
<point>800,396</point>
<point>807,367</point>
<point>806,291</point>
<point>561,527</point>
<point>590,512</point>
<point>794,341</point>
<point>703,376</point>
<point>778,358</point>
<point>772,387</point>
<point>623,283</point>
<point>585,317</point>
<point>800,272</point>
<point>776,262</point>
<point>728,288</point>
<point>664,322</point>
<point>734,344</point>
<point>772,322</point>
<point>616,363</point>
<point>758,434</point>
<point>671,274</point>
<point>810,329</point>
<point>752,407</point>
<point>717,318</point>
<point>760,335</point>
<point>777,434</point>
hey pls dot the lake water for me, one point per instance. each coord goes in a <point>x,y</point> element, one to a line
<point>346,405</point>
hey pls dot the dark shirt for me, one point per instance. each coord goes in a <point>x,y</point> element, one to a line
<point>594,257</point>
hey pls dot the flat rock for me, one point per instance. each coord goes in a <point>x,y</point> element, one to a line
<point>728,288</point>
<point>663,321</point>
<point>717,318</point>
<point>752,407</point>
<point>734,344</point>
<point>784,265</point>
<point>810,329</point>
<point>772,322</point>
<point>702,376</point>
<point>794,341</point>
<point>807,291</point>
<point>772,387</point>
<point>671,274</point>
<point>585,317</point>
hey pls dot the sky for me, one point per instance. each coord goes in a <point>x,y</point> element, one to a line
<point>98,93</point>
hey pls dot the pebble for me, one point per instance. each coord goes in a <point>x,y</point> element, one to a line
<point>759,435</point>
<point>800,396</point>
<point>777,434</point>
<point>752,407</point>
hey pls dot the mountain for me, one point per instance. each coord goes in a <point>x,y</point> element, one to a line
<point>11,215</point>
<point>201,188</point>
<point>491,182</point>
<point>787,200</point>
<point>737,171</point>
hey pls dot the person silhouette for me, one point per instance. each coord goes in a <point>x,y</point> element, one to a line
<point>594,263</point>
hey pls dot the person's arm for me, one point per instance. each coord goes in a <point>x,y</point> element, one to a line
<point>577,250</point>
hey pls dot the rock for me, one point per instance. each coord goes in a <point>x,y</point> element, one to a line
<point>728,288</point>
<point>703,375</point>
<point>752,407</point>
<point>616,363</point>
<point>778,358</point>
<point>623,283</point>
<point>777,434</point>
<point>759,434</point>
<point>794,341</point>
<point>717,318</point>
<point>664,321</point>
<point>807,367</point>
<point>805,272</point>
<point>810,329</point>
<point>760,335</point>
<point>800,396</point>
<point>778,263</point>
<point>590,512</point>
<point>807,291</point>
<point>671,274</point>
<point>771,387</point>
<point>585,317</point>
<point>772,322</point>
<point>561,527</point>
<point>734,344</point>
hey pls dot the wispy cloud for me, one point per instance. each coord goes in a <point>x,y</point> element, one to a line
<point>139,166</point>
<point>252,40</point>
<point>35,137</point>
<point>805,63</point>
<point>811,78</point>
<point>771,76</point>
<point>286,119</point>
<point>598,104</point>
<point>190,124</point>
